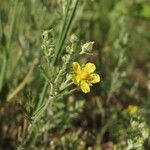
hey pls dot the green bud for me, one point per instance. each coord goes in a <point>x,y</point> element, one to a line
<point>45,35</point>
<point>87,47</point>
<point>73,38</point>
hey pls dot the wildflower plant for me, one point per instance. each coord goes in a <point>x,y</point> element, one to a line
<point>59,81</point>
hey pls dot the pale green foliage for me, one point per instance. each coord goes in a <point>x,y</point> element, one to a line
<point>135,135</point>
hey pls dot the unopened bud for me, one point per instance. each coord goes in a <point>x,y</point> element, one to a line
<point>45,34</point>
<point>73,38</point>
<point>87,47</point>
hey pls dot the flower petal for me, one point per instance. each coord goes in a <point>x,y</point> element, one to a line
<point>76,79</point>
<point>85,87</point>
<point>89,68</point>
<point>76,67</point>
<point>94,78</point>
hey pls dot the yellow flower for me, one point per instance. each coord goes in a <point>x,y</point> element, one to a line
<point>132,109</point>
<point>84,76</point>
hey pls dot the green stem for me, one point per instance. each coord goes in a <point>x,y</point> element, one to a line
<point>3,72</point>
<point>12,25</point>
<point>64,31</point>
<point>44,93</point>
<point>6,53</point>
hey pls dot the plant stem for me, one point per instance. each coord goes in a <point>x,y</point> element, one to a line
<point>64,31</point>
<point>12,25</point>
<point>3,71</point>
<point>7,49</point>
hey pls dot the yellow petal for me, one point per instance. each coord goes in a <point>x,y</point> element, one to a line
<point>94,78</point>
<point>85,87</point>
<point>76,79</point>
<point>76,67</point>
<point>89,68</point>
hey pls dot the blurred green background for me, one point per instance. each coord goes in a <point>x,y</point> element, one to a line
<point>121,32</point>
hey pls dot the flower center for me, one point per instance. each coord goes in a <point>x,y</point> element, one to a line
<point>83,75</point>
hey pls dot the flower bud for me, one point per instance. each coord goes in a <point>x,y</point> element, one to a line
<point>87,47</point>
<point>73,38</point>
